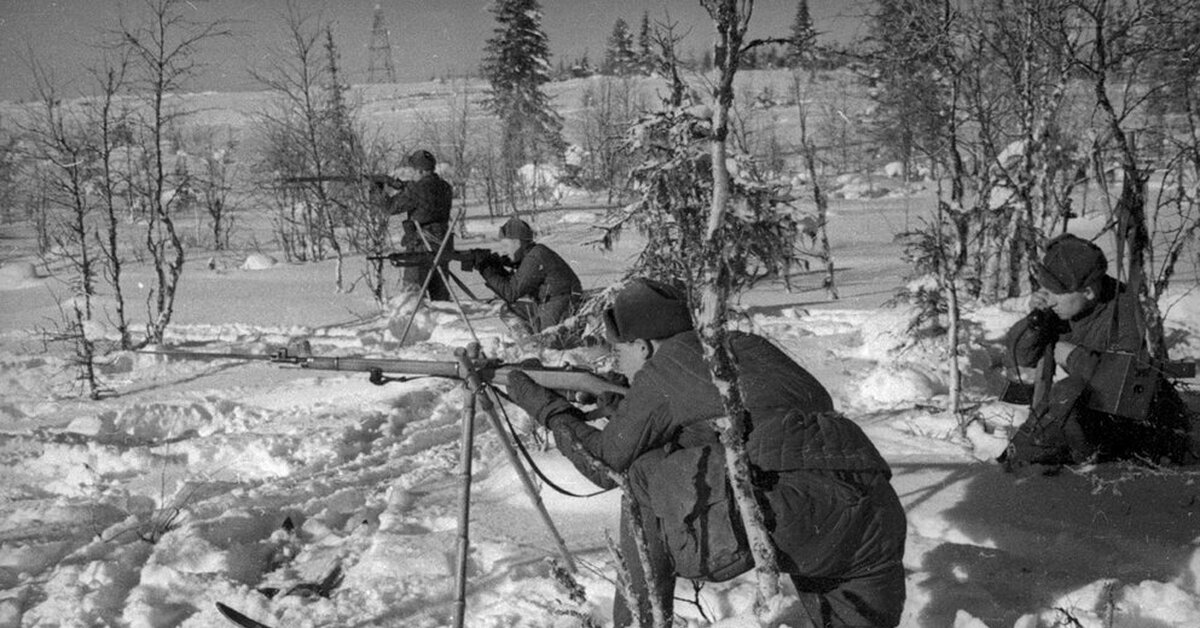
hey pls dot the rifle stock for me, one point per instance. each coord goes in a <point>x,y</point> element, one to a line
<point>564,379</point>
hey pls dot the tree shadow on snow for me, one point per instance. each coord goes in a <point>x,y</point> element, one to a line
<point>1013,545</point>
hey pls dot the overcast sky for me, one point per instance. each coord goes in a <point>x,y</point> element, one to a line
<point>428,37</point>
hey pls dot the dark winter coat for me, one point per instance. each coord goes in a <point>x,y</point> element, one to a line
<point>426,202</point>
<point>542,276</point>
<point>832,511</point>
<point>1060,416</point>
<point>1111,325</point>
<point>426,206</point>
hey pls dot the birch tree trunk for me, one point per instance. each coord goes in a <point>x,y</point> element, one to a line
<point>730,21</point>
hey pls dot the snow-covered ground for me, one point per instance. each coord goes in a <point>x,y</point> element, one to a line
<point>197,482</point>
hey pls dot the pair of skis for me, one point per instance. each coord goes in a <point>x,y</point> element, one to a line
<point>306,589</point>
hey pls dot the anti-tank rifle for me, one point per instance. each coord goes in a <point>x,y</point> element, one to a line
<point>470,259</point>
<point>475,371</point>
<point>564,379</point>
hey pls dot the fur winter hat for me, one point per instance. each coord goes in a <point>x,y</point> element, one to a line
<point>1071,264</point>
<point>422,160</point>
<point>516,229</point>
<point>647,310</point>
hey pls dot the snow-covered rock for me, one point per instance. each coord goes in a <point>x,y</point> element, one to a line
<point>258,261</point>
<point>18,275</point>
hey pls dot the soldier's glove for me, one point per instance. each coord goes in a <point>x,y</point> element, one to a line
<point>616,378</point>
<point>540,402</point>
<point>1045,324</point>
<point>606,402</point>
<point>489,263</point>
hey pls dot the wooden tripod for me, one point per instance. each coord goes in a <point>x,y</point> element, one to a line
<point>478,394</point>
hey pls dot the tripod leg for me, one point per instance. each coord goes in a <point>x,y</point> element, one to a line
<point>437,270</point>
<point>464,506</point>
<point>489,408</point>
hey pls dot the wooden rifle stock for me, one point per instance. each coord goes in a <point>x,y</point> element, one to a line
<point>565,379</point>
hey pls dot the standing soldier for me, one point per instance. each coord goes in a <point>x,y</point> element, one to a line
<point>540,275</point>
<point>426,206</point>
<point>837,524</point>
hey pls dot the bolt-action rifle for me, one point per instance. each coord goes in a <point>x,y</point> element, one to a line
<point>564,379</point>
<point>470,259</point>
<point>374,179</point>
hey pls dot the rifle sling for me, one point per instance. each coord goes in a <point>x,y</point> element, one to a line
<point>512,431</point>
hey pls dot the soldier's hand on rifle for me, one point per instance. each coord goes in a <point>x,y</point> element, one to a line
<point>490,263</point>
<point>606,402</point>
<point>539,402</point>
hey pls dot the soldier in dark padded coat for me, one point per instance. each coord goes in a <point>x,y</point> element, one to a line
<point>836,521</point>
<point>540,275</point>
<point>425,204</point>
<point>1082,319</point>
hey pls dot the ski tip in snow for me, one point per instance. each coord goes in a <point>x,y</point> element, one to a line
<point>238,618</point>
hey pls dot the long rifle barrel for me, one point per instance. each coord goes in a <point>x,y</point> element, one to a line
<point>377,179</point>
<point>469,259</point>
<point>561,378</point>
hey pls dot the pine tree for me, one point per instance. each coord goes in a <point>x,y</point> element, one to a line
<point>516,64</point>
<point>645,52</point>
<point>804,37</point>
<point>619,58</point>
<point>911,97</point>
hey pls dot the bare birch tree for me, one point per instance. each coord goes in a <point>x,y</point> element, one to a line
<point>163,49</point>
<point>64,148</point>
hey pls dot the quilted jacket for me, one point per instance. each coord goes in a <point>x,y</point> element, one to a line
<point>831,509</point>
<point>541,276</point>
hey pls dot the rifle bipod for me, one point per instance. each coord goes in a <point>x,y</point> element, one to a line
<point>477,393</point>
<point>437,268</point>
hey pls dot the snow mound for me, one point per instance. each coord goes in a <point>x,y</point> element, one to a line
<point>892,386</point>
<point>408,322</point>
<point>1110,602</point>
<point>854,187</point>
<point>18,275</point>
<point>258,261</point>
<point>577,218</point>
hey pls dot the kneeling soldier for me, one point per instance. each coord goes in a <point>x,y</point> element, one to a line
<point>837,524</point>
<point>540,275</point>
<point>1090,324</point>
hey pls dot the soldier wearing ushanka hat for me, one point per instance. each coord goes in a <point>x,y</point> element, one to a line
<point>1083,320</point>
<point>541,288</point>
<point>836,522</point>
<point>425,204</point>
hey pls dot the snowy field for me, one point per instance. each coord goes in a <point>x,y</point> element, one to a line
<point>197,482</point>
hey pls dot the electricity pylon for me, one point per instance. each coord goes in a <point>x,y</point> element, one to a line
<point>381,69</point>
